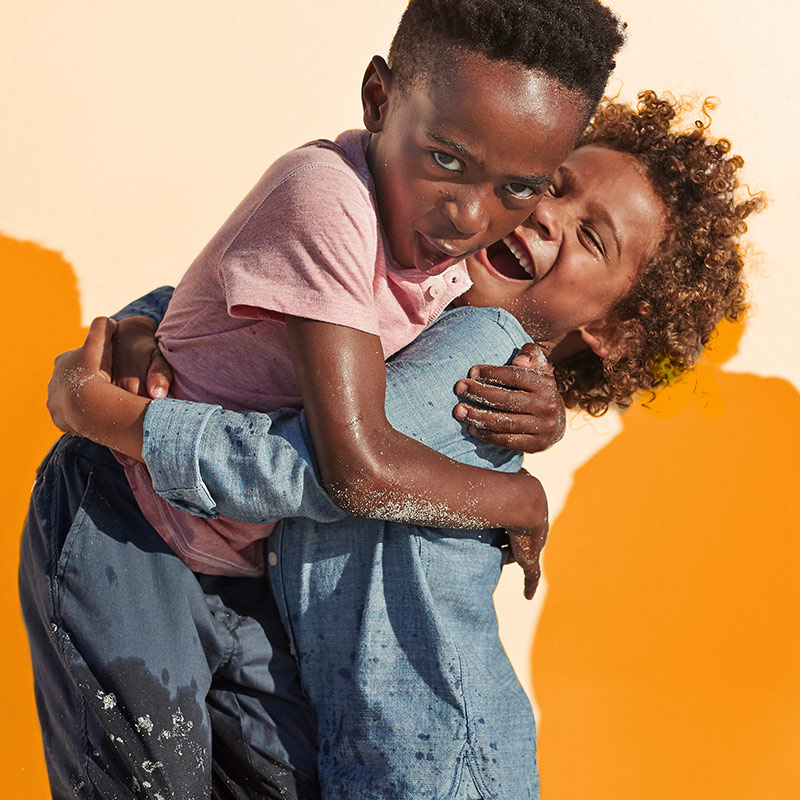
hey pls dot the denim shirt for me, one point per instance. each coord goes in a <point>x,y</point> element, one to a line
<point>393,625</point>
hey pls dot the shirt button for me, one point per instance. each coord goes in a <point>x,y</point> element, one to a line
<point>272,558</point>
<point>436,289</point>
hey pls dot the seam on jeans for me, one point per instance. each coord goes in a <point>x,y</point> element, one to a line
<point>247,746</point>
<point>249,749</point>
<point>52,567</point>
<point>455,784</point>
<point>85,747</point>
<point>280,598</point>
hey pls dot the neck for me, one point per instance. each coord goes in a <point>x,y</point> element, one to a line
<point>570,345</point>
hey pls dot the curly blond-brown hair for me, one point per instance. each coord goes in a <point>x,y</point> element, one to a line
<point>695,279</point>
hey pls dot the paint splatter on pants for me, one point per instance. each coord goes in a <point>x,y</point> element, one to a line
<point>151,681</point>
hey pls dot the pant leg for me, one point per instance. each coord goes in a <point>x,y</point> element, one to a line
<point>264,728</point>
<point>128,648</point>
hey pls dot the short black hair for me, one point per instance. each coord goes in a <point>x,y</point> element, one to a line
<point>574,41</point>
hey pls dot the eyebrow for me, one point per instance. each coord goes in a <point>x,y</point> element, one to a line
<point>468,155</point>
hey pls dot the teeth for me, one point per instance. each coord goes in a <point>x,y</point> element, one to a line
<point>514,246</point>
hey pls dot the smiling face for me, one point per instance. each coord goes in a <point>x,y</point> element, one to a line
<point>460,159</point>
<point>562,271</point>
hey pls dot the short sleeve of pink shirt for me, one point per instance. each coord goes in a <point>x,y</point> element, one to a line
<point>309,248</point>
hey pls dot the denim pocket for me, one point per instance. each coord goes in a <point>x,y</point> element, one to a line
<point>80,520</point>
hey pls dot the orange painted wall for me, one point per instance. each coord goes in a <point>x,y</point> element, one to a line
<point>667,657</point>
<point>33,332</point>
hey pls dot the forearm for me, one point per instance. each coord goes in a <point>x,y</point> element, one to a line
<point>110,416</point>
<point>248,466</point>
<point>395,478</point>
<point>260,468</point>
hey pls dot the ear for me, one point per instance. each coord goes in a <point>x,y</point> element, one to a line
<point>600,337</point>
<point>375,91</point>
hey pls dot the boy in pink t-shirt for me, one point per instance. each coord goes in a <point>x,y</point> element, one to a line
<point>345,251</point>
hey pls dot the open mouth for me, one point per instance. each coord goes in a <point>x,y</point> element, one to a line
<point>511,260</point>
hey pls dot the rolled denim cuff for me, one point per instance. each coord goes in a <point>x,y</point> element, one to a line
<point>173,433</point>
<point>153,305</point>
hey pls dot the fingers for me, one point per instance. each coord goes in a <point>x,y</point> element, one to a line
<point>513,406</point>
<point>75,369</point>
<point>495,396</point>
<point>97,353</point>
<point>513,376</point>
<point>528,433</point>
<point>527,549</point>
<point>522,443</point>
<point>159,376</point>
<point>531,584</point>
<point>530,355</point>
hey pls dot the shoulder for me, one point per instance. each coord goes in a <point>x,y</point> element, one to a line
<point>312,197</point>
<point>466,336</point>
<point>317,168</point>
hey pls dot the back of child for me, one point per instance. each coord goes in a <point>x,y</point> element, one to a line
<point>315,239</point>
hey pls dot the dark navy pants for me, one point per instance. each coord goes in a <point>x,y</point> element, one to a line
<point>151,681</point>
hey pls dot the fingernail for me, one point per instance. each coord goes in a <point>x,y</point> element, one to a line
<point>474,373</point>
<point>460,411</point>
<point>473,431</point>
<point>461,387</point>
<point>523,360</point>
<point>158,392</point>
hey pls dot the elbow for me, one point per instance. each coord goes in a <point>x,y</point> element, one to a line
<point>358,484</point>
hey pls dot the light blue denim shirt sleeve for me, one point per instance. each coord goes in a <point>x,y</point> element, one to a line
<point>260,468</point>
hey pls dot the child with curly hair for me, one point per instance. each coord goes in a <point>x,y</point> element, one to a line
<point>626,265</point>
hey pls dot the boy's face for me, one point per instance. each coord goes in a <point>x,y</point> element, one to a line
<point>564,269</point>
<point>460,159</point>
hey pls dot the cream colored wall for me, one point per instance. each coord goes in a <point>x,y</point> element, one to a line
<point>131,130</point>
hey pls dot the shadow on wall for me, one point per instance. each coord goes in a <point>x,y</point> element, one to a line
<point>667,657</point>
<point>41,318</point>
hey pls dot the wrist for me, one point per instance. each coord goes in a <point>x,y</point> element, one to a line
<point>533,503</point>
<point>109,415</point>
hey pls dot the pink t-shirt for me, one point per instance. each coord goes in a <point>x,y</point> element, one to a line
<point>306,242</point>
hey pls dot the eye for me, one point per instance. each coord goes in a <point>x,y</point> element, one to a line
<point>521,190</point>
<point>593,240</point>
<point>446,161</point>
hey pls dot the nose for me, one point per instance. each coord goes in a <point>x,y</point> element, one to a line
<point>546,219</point>
<point>545,230</point>
<point>468,210</point>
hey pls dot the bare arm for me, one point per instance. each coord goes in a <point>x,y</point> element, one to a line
<point>369,468</point>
